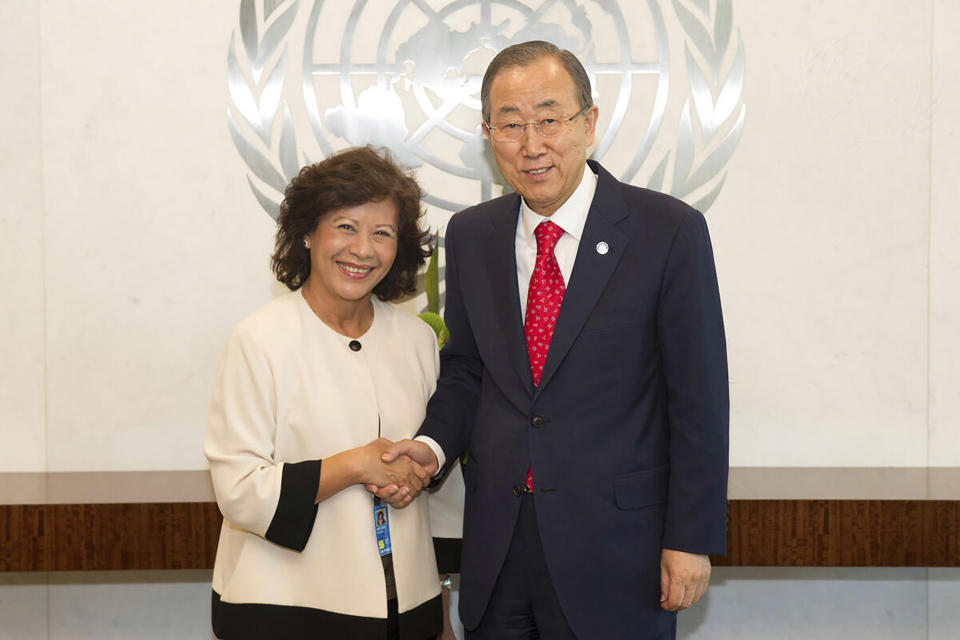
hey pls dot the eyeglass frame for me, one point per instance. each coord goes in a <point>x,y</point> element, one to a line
<point>536,125</point>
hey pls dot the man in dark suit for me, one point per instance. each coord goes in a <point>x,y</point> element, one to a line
<point>585,373</point>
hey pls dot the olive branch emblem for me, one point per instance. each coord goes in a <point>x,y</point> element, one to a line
<point>709,125</point>
<point>715,102</point>
<point>256,93</point>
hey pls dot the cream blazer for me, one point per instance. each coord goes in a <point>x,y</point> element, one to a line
<point>289,389</point>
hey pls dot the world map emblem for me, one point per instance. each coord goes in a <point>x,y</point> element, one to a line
<point>306,79</point>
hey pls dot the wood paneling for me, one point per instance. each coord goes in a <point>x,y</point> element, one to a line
<point>96,537</point>
<point>843,533</point>
<point>793,533</point>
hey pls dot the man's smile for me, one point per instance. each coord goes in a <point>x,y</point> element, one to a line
<point>536,173</point>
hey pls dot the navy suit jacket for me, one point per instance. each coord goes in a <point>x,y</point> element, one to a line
<point>627,432</point>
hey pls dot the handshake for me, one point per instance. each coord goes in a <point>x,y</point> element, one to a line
<point>396,471</point>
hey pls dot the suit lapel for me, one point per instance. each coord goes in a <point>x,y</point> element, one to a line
<point>591,270</point>
<point>501,257</point>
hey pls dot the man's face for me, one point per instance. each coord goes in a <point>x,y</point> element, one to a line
<point>545,171</point>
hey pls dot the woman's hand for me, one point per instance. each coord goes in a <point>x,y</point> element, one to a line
<point>399,481</point>
<point>419,452</point>
<point>396,482</point>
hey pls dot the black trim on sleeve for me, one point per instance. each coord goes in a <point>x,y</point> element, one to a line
<point>280,622</point>
<point>447,551</point>
<point>297,509</point>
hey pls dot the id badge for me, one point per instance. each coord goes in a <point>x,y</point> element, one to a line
<point>381,525</point>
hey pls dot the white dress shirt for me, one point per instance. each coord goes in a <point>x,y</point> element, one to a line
<point>571,217</point>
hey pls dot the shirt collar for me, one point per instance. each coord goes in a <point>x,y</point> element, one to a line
<point>572,214</point>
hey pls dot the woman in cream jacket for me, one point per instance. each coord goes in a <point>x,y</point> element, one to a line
<point>310,390</point>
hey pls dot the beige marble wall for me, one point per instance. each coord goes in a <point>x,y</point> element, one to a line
<point>154,246</point>
<point>821,234</point>
<point>22,429</point>
<point>945,239</point>
<point>132,243</point>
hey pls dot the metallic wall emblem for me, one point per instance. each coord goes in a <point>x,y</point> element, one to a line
<point>309,77</point>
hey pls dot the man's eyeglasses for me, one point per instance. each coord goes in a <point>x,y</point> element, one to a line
<point>513,131</point>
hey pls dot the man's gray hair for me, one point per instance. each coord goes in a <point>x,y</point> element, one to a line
<point>525,53</point>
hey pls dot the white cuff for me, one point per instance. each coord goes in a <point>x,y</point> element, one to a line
<point>437,451</point>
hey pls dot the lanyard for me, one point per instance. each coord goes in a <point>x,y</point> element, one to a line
<point>381,519</point>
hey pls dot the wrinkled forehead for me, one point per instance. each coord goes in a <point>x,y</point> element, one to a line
<point>532,85</point>
<point>545,106</point>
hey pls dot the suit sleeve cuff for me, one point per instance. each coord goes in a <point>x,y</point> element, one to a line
<point>437,451</point>
<point>297,509</point>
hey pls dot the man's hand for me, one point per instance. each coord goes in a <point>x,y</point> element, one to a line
<point>416,451</point>
<point>419,452</point>
<point>683,578</point>
<point>399,479</point>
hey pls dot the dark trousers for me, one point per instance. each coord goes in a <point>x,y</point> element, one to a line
<point>524,605</point>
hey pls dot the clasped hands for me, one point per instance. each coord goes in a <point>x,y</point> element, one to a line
<point>397,471</point>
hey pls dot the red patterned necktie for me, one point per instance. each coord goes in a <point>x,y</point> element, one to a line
<point>543,303</point>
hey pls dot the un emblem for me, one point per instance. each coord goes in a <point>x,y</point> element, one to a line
<point>308,78</point>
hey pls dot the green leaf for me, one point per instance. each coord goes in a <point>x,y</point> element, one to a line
<point>432,284</point>
<point>438,325</point>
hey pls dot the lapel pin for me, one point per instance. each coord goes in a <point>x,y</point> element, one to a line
<point>602,248</point>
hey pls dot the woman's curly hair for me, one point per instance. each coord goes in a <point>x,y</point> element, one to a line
<point>351,178</point>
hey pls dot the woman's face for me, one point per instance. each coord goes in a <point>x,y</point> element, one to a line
<point>351,251</point>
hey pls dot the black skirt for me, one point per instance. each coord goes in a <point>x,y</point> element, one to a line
<point>280,622</point>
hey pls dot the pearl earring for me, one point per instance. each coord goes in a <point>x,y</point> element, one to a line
<point>306,242</point>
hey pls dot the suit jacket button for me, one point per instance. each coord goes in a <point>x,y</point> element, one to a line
<point>537,422</point>
<point>517,490</point>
